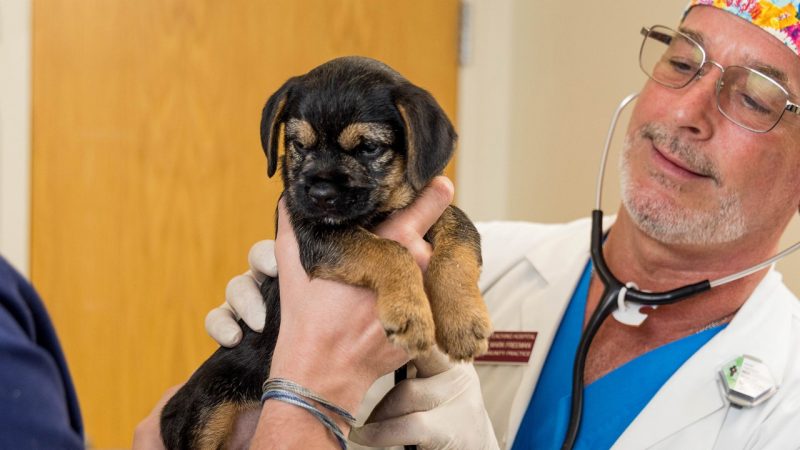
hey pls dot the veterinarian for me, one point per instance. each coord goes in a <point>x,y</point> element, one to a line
<point>710,182</point>
<point>38,404</point>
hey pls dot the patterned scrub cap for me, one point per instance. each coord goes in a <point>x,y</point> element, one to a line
<point>779,18</point>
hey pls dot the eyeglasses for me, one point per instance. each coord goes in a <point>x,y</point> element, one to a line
<point>747,97</point>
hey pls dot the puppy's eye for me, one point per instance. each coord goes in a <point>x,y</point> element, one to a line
<point>370,148</point>
<point>298,145</point>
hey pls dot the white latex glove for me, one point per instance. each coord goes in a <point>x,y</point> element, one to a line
<point>440,409</point>
<point>243,298</point>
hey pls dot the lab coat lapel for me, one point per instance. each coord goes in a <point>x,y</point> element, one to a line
<point>761,329</point>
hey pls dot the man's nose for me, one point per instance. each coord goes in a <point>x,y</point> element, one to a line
<point>695,109</point>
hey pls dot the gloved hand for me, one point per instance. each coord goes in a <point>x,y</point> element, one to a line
<point>440,409</point>
<point>243,298</point>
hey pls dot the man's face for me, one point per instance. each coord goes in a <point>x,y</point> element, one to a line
<point>691,176</point>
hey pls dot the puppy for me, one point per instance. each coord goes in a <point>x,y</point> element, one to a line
<point>360,142</point>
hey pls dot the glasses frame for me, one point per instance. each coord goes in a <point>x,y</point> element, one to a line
<point>793,108</point>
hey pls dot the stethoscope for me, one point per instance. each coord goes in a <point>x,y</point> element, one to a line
<point>616,294</point>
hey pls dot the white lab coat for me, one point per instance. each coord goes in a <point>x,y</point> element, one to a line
<point>530,272</point>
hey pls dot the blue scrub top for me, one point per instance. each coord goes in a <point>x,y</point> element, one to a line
<point>611,402</point>
<point>38,405</point>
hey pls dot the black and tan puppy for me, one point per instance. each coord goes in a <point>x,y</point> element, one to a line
<point>360,142</point>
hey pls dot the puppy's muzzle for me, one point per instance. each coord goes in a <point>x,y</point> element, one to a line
<point>323,193</point>
<point>331,194</point>
<point>326,188</point>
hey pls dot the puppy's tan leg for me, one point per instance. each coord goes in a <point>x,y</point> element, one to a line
<point>219,425</point>
<point>389,269</point>
<point>462,320</point>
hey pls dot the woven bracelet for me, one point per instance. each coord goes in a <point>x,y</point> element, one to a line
<point>275,393</point>
<point>291,386</point>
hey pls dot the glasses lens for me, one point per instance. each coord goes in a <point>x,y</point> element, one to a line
<point>750,99</point>
<point>669,57</point>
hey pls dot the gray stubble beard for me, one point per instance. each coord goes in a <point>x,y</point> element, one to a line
<point>667,222</point>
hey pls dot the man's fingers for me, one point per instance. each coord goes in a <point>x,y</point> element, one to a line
<point>168,394</point>
<point>244,296</point>
<point>410,224</point>
<point>426,209</point>
<point>286,250</point>
<point>421,394</point>
<point>147,435</point>
<point>433,363</point>
<point>430,205</point>
<point>262,260</point>
<point>401,400</point>
<point>221,325</point>
<point>403,430</point>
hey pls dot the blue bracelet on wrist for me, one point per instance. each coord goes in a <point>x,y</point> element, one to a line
<point>286,396</point>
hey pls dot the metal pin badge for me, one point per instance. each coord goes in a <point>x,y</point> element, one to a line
<point>747,382</point>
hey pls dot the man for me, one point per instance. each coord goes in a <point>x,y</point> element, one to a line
<point>709,185</point>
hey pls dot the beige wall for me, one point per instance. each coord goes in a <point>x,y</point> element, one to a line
<point>530,148</point>
<point>15,82</point>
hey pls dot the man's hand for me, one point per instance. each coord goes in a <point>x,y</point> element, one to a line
<point>327,329</point>
<point>243,298</point>
<point>147,435</point>
<point>330,339</point>
<point>442,408</point>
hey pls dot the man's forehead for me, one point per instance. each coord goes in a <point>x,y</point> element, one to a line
<point>731,40</point>
<point>779,18</point>
<point>751,61</point>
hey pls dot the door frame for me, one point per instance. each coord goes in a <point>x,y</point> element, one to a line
<point>15,132</point>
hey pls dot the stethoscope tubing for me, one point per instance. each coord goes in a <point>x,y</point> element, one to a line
<point>601,174</point>
<point>599,199</point>
<point>613,289</point>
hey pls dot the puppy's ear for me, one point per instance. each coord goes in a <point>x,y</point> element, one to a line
<point>271,119</point>
<point>430,137</point>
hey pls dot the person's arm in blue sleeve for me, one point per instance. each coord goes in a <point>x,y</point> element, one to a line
<point>38,405</point>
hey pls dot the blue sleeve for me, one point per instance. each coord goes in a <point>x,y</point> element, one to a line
<point>38,405</point>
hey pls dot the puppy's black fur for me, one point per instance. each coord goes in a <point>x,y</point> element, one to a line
<point>360,142</point>
<point>229,376</point>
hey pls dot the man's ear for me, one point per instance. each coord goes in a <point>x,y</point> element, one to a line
<point>430,137</point>
<point>271,119</point>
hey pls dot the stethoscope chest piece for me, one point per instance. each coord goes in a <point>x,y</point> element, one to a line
<point>746,381</point>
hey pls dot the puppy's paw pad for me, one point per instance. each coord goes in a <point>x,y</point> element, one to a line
<point>464,338</point>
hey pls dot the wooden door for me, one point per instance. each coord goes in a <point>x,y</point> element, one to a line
<point>148,180</point>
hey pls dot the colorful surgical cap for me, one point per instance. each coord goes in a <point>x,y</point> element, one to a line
<point>779,18</point>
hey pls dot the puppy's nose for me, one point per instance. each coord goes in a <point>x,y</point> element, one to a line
<point>323,192</point>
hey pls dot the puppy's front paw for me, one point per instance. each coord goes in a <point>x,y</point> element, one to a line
<point>462,320</point>
<point>408,323</point>
<point>464,334</point>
